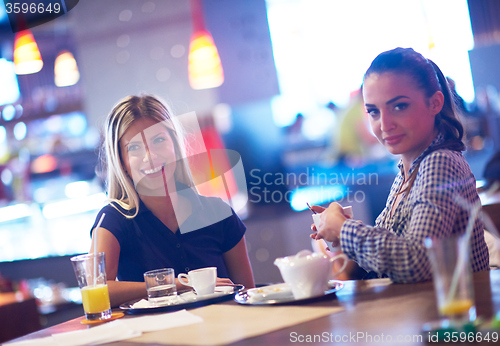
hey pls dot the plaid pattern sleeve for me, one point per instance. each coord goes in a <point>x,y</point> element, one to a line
<point>395,246</point>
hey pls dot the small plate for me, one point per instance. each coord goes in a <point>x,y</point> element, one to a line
<point>186,300</point>
<point>281,294</point>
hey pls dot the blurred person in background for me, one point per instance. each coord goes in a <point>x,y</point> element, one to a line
<point>352,142</point>
<point>490,198</point>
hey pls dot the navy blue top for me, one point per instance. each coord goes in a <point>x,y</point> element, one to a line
<point>147,244</point>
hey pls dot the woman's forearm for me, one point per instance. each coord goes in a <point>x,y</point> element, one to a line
<point>124,291</point>
<point>238,265</point>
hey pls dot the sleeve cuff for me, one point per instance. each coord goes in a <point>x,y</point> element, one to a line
<point>348,238</point>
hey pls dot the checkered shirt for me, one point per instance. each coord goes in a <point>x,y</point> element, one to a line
<point>395,248</point>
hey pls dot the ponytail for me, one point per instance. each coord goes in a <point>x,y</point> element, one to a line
<point>447,121</point>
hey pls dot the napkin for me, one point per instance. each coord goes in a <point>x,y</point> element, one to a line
<point>153,323</point>
<point>143,304</point>
<point>224,289</point>
<point>123,329</point>
<point>146,304</point>
<point>108,332</point>
<point>48,341</point>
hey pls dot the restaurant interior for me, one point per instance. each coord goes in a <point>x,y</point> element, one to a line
<point>284,97</point>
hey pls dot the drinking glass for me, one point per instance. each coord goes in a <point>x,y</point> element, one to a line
<point>90,271</point>
<point>453,287</point>
<point>160,284</point>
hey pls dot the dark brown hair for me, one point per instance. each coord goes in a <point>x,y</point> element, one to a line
<point>429,78</point>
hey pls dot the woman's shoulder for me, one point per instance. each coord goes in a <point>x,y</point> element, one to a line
<point>444,158</point>
<point>445,166</point>
<point>114,219</point>
<point>114,208</point>
<point>115,213</point>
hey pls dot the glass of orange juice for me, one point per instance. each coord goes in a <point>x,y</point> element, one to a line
<point>454,288</point>
<point>90,271</point>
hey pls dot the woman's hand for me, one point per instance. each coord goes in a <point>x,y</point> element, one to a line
<point>318,209</point>
<point>331,221</point>
<point>219,282</point>
<point>238,265</point>
<point>224,282</point>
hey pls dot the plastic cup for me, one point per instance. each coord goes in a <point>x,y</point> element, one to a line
<point>160,284</point>
<point>90,271</point>
<point>454,297</point>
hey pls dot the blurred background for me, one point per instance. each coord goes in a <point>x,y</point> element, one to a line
<point>281,88</point>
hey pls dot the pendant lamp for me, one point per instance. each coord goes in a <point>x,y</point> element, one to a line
<point>9,86</point>
<point>205,68</point>
<point>27,58</point>
<point>65,69</point>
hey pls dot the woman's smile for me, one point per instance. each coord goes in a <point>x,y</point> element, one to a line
<point>153,171</point>
<point>149,155</point>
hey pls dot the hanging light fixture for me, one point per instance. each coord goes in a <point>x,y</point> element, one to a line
<point>65,69</point>
<point>205,68</point>
<point>9,86</point>
<point>27,58</point>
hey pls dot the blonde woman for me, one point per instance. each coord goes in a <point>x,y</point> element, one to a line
<point>152,197</point>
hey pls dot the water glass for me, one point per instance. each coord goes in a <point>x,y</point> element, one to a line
<point>160,284</point>
<point>90,271</point>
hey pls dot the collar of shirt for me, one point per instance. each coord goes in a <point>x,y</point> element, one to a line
<point>438,140</point>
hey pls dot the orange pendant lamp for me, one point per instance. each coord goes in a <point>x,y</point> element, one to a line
<point>27,58</point>
<point>65,69</point>
<point>205,68</point>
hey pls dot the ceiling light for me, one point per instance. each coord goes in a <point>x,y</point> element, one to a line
<point>205,68</point>
<point>65,69</point>
<point>27,58</point>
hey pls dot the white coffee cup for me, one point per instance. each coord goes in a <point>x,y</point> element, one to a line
<point>202,280</point>
<point>348,211</point>
<point>316,218</point>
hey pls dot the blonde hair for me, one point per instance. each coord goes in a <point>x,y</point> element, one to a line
<point>120,186</point>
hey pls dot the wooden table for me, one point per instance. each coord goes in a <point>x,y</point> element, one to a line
<point>375,310</point>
